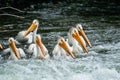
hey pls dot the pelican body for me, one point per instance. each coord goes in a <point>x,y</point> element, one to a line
<point>77,38</point>
<point>15,53</point>
<point>34,28</point>
<point>38,49</point>
<point>62,49</point>
<point>28,36</point>
<point>77,41</point>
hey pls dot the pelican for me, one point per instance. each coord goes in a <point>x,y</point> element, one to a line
<point>15,53</point>
<point>62,49</point>
<point>28,36</point>
<point>77,41</point>
<point>38,49</point>
<point>82,33</point>
<point>27,39</point>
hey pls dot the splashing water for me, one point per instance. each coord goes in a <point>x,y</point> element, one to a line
<point>102,62</point>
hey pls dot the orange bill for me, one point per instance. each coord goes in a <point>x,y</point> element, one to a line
<point>1,47</point>
<point>14,48</point>
<point>64,45</point>
<point>30,29</point>
<point>79,40</point>
<point>40,44</point>
<point>81,32</point>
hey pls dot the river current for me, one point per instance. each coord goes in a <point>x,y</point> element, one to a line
<point>102,62</point>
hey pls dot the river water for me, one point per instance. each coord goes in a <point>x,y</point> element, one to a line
<point>102,62</point>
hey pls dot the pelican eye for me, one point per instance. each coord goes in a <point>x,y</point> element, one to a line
<point>37,37</point>
<point>79,27</point>
<point>61,41</point>
<point>10,40</point>
<point>75,31</point>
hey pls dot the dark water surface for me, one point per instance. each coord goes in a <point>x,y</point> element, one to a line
<point>102,63</point>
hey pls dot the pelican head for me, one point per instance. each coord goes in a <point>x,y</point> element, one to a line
<point>63,44</point>
<point>36,22</point>
<point>74,33</point>
<point>14,48</point>
<point>33,27</point>
<point>82,33</point>
<point>79,27</point>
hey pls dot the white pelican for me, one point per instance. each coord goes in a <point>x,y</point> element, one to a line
<point>77,41</point>
<point>62,49</point>
<point>27,39</point>
<point>38,49</point>
<point>82,33</point>
<point>15,53</point>
<point>28,36</point>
